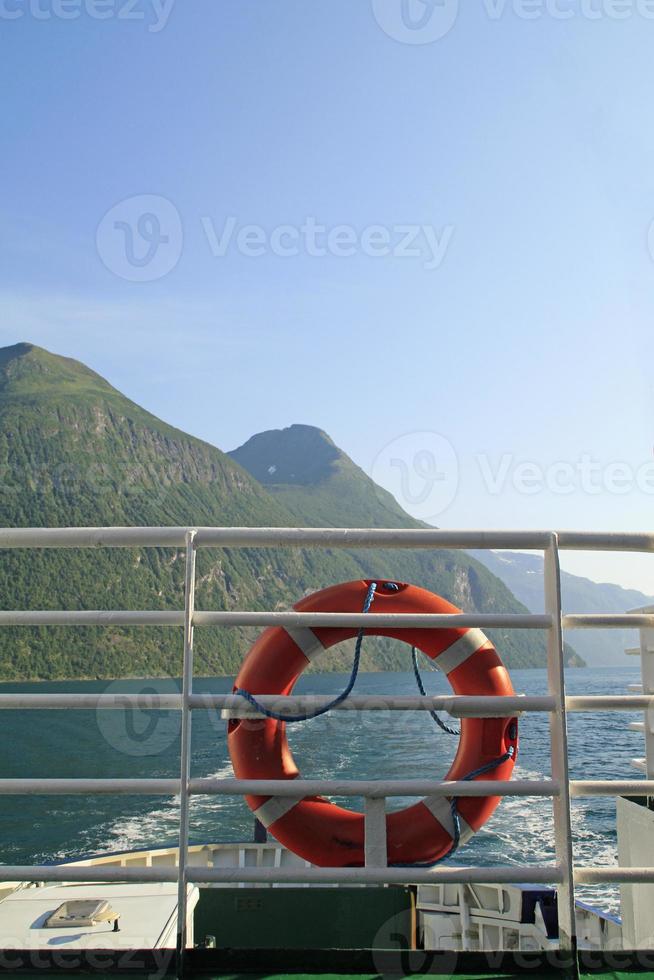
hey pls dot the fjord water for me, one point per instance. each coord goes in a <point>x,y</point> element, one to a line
<point>134,744</point>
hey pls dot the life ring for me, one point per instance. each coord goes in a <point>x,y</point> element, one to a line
<point>318,830</point>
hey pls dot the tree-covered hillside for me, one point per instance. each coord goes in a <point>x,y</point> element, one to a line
<point>74,451</point>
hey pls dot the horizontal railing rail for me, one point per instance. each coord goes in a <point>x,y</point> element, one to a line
<point>562,872</point>
<point>613,621</point>
<point>201,875</point>
<point>297,620</point>
<point>310,620</point>
<point>368,789</point>
<point>457,705</point>
<point>515,874</point>
<point>460,706</point>
<point>276,537</point>
<point>292,620</point>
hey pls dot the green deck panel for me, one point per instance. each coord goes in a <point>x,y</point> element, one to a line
<point>305,918</point>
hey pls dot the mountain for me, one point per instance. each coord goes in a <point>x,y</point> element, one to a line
<point>314,479</point>
<point>523,574</point>
<point>322,487</point>
<point>75,451</point>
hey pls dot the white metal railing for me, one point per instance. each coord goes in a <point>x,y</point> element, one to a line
<point>560,788</point>
<point>646,652</point>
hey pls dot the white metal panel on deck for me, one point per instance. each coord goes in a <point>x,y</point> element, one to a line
<point>148,916</point>
<point>636,849</point>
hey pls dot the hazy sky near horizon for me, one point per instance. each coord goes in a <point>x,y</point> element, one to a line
<point>421,226</point>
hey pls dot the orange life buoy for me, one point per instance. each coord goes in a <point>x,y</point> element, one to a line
<point>329,835</point>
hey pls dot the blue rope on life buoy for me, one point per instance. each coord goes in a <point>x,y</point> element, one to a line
<point>290,719</point>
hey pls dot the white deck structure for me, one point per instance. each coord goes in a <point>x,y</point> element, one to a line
<point>148,917</point>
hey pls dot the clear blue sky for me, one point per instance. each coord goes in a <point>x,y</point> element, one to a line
<point>526,146</point>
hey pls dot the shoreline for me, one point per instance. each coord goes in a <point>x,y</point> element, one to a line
<point>177,677</point>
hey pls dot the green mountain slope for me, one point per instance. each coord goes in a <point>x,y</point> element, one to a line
<point>74,451</point>
<point>317,481</point>
<point>321,486</point>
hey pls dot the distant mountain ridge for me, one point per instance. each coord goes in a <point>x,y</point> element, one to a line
<point>303,468</point>
<point>301,454</point>
<point>75,451</point>
<point>523,574</point>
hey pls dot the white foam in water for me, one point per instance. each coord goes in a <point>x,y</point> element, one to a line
<point>134,833</point>
<point>154,828</point>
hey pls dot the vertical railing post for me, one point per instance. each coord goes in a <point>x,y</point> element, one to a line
<point>375,832</point>
<point>185,747</point>
<point>647,678</point>
<point>559,750</point>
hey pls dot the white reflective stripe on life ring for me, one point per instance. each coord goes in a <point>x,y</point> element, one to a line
<point>441,808</point>
<point>307,641</point>
<point>461,650</point>
<point>275,808</point>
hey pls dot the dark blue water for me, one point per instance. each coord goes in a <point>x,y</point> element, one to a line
<point>362,745</point>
